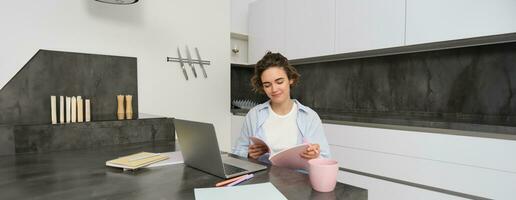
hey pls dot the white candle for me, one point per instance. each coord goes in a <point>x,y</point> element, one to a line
<point>87,110</point>
<point>68,109</point>
<point>74,109</point>
<point>61,110</point>
<point>79,109</point>
<point>53,111</point>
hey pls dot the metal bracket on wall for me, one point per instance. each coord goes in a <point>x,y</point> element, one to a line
<point>190,61</point>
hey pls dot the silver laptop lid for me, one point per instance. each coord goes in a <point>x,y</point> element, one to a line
<point>199,146</point>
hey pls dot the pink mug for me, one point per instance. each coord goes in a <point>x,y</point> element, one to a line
<point>323,174</point>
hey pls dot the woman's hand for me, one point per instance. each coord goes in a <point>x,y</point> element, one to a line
<point>256,150</point>
<point>311,152</point>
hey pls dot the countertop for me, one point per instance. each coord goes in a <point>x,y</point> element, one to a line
<point>82,174</point>
<point>495,131</point>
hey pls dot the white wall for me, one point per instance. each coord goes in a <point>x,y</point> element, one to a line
<point>150,30</point>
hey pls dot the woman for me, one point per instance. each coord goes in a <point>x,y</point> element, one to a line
<point>282,122</point>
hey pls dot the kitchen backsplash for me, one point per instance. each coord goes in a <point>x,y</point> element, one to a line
<point>468,85</point>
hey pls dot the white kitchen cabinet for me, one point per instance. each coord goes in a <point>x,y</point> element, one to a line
<point>309,28</point>
<point>451,162</point>
<point>237,122</point>
<point>239,16</point>
<point>266,28</point>
<point>369,24</point>
<point>440,20</point>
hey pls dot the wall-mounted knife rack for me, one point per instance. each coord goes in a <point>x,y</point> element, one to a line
<point>188,60</point>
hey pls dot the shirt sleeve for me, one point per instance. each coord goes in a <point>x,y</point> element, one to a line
<point>316,134</point>
<point>242,144</point>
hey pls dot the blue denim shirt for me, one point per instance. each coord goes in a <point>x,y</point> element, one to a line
<point>308,122</point>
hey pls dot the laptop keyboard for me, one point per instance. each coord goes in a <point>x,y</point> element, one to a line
<point>230,169</point>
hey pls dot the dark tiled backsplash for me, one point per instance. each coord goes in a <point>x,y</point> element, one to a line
<point>466,85</point>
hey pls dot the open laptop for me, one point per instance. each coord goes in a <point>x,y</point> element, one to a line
<point>200,150</point>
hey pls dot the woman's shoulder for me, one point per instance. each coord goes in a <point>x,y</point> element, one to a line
<point>254,111</point>
<point>259,107</point>
<point>306,109</point>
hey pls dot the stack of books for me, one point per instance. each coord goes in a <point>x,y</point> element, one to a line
<point>135,161</point>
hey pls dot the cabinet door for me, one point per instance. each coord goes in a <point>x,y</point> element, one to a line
<point>439,20</point>
<point>369,24</point>
<point>266,28</point>
<point>309,28</point>
<point>236,126</point>
<point>239,16</point>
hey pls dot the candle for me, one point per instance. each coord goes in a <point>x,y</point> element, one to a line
<point>87,110</point>
<point>68,105</point>
<point>79,109</point>
<point>53,111</point>
<point>61,110</point>
<point>74,109</point>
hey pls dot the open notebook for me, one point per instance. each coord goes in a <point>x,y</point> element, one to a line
<point>290,157</point>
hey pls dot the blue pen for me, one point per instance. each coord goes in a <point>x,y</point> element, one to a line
<point>247,177</point>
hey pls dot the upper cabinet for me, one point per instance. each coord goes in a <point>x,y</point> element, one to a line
<point>239,16</point>
<point>369,24</point>
<point>309,28</point>
<point>440,20</point>
<point>266,28</point>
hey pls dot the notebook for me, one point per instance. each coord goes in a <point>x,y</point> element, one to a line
<point>137,160</point>
<point>260,191</point>
<point>289,158</point>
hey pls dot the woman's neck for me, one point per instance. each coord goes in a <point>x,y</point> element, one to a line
<point>282,108</point>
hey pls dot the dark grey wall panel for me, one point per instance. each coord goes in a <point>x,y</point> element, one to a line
<point>241,85</point>
<point>25,99</point>
<point>46,138</point>
<point>475,85</point>
<point>6,140</point>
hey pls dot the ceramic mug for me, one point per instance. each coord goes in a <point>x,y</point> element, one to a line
<point>323,174</point>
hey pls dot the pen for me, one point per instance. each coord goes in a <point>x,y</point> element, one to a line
<point>229,181</point>
<point>246,177</point>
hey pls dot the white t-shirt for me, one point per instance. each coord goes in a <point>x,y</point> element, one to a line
<point>281,131</point>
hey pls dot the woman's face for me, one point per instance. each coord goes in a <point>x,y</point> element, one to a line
<point>276,84</point>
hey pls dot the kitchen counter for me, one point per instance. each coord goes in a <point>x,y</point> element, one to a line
<point>423,124</point>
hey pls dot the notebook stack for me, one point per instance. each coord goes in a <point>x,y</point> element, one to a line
<point>135,161</point>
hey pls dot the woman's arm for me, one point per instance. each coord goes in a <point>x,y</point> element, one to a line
<point>315,135</point>
<point>242,144</point>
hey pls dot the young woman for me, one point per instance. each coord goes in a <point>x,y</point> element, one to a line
<point>282,122</point>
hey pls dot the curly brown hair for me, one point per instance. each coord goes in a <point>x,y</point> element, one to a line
<point>272,60</point>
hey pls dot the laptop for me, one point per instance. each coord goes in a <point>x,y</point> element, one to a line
<point>200,149</point>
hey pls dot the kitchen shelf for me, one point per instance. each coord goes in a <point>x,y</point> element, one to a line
<point>451,44</point>
<point>244,65</point>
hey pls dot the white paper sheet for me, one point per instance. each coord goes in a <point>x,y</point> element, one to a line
<point>260,191</point>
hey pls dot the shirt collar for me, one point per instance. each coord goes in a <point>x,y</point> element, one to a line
<point>266,105</point>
